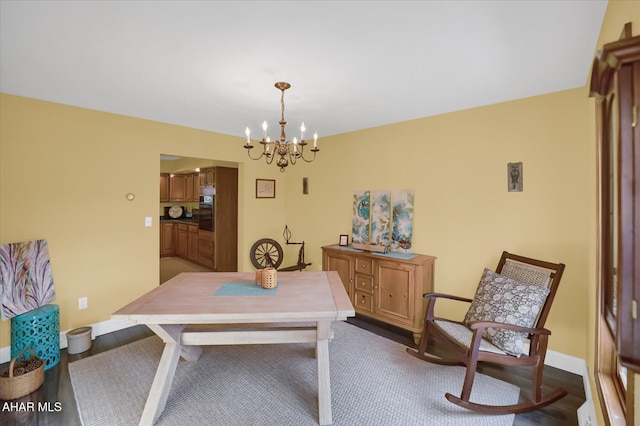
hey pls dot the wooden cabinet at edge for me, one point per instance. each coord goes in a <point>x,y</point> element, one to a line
<point>226,219</point>
<point>384,288</point>
<point>164,187</point>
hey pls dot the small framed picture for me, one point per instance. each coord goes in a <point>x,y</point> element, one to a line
<point>514,177</point>
<point>344,240</point>
<point>265,188</point>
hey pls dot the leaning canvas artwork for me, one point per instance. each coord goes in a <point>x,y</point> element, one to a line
<point>380,217</point>
<point>360,222</point>
<point>26,281</point>
<point>401,236</point>
<point>384,218</point>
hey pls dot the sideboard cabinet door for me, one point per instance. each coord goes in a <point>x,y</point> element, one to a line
<point>344,265</point>
<point>395,292</point>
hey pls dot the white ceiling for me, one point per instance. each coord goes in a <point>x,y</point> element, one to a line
<point>352,64</point>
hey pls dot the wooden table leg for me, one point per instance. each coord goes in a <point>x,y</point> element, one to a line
<point>159,392</point>
<point>324,388</point>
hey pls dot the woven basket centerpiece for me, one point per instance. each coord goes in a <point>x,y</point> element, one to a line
<point>269,278</point>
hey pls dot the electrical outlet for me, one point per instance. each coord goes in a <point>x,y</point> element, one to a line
<point>147,221</point>
<point>82,303</point>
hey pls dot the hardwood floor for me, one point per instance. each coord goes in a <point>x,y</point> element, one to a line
<point>57,385</point>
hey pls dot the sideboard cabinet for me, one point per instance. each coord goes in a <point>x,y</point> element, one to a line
<point>385,287</point>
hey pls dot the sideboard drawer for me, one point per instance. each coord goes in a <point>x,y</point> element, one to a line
<point>364,266</point>
<point>364,283</point>
<point>364,302</point>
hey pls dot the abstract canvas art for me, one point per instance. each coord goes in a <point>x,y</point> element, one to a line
<point>401,236</point>
<point>380,217</point>
<point>385,218</point>
<point>26,282</point>
<point>361,219</point>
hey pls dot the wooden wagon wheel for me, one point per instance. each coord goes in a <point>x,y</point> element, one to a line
<point>266,252</point>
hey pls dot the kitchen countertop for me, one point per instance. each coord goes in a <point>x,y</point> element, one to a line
<point>185,220</point>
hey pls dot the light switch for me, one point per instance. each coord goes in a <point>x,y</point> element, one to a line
<point>147,221</point>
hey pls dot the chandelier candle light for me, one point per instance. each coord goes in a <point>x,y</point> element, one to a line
<point>286,151</point>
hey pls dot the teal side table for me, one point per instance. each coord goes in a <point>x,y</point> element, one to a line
<point>39,328</point>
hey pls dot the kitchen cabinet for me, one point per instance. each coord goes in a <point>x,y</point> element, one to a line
<point>192,187</point>
<point>226,219</point>
<point>167,238</point>
<point>208,176</point>
<point>183,187</point>
<point>196,187</point>
<point>182,246</point>
<point>383,286</point>
<point>177,188</point>
<point>187,241</point>
<point>164,187</point>
<point>192,243</point>
<point>206,247</point>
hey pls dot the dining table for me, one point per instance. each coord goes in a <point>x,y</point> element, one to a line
<point>228,308</point>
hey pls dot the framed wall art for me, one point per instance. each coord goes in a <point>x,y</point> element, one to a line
<point>514,177</point>
<point>265,188</point>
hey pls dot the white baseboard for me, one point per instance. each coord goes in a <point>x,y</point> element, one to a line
<point>97,329</point>
<point>587,411</point>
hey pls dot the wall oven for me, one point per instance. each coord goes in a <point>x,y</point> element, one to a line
<point>206,213</point>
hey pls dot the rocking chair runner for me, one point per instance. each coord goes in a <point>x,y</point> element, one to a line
<point>485,334</point>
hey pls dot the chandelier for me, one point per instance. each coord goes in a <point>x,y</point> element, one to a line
<point>287,152</point>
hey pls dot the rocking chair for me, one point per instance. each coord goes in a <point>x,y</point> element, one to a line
<point>495,331</point>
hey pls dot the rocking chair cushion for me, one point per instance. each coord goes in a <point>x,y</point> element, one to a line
<point>502,299</point>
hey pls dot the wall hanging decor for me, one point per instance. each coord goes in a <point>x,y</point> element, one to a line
<point>401,237</point>
<point>26,282</point>
<point>383,218</point>
<point>265,188</point>
<point>380,217</point>
<point>514,177</point>
<point>361,219</point>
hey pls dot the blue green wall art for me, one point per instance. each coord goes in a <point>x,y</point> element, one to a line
<point>401,236</point>
<point>384,217</point>
<point>361,216</point>
<point>380,217</point>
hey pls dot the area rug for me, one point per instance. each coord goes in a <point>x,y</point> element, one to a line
<point>373,382</point>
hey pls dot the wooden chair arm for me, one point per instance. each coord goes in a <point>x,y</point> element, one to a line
<point>446,296</point>
<point>477,325</point>
<point>433,297</point>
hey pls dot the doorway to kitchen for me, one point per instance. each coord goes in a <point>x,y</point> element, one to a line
<point>198,210</point>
